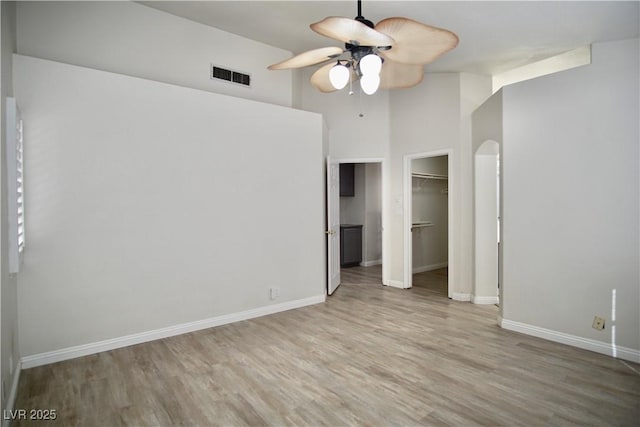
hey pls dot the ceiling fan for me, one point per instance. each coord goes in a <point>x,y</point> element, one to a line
<point>388,55</point>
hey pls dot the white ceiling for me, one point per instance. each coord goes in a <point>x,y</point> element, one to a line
<point>494,36</point>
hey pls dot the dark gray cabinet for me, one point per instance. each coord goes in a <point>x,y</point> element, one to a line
<point>350,245</point>
<point>347,179</point>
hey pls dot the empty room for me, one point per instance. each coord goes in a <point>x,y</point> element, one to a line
<point>252,213</point>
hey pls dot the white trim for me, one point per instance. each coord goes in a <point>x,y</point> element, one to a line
<point>394,283</point>
<point>361,160</point>
<point>484,300</point>
<point>183,328</point>
<point>431,267</point>
<point>457,296</point>
<point>609,349</point>
<point>11,399</point>
<point>407,207</point>
<point>371,263</point>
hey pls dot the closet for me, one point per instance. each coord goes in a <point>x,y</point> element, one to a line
<point>429,228</point>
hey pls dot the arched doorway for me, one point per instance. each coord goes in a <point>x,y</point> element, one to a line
<point>487,223</point>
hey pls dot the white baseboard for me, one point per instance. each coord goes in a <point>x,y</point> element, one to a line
<point>371,263</point>
<point>484,300</point>
<point>430,267</point>
<point>125,341</point>
<point>394,283</point>
<point>460,296</point>
<point>625,353</point>
<point>13,393</point>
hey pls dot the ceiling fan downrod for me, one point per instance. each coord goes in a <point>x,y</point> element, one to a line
<point>361,18</point>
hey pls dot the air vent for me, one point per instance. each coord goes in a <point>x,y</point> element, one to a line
<point>231,76</point>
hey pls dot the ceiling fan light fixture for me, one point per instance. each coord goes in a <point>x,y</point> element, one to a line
<point>403,45</point>
<point>371,64</point>
<point>370,83</point>
<point>339,76</point>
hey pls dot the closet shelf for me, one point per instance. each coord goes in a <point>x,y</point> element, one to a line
<point>421,224</point>
<point>429,175</point>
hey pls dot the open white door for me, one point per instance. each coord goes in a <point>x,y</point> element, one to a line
<point>333,222</point>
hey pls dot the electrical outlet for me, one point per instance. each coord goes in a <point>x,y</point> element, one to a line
<point>598,323</point>
<point>274,293</point>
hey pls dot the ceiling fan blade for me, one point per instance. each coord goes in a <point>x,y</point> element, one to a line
<point>310,57</point>
<point>416,43</point>
<point>349,30</point>
<point>395,75</point>
<point>320,79</point>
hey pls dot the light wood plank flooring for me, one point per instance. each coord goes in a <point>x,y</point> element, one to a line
<point>371,355</point>
<point>435,281</point>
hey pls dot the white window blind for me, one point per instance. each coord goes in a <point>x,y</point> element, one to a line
<point>15,184</point>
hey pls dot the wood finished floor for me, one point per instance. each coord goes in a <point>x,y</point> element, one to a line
<point>371,355</point>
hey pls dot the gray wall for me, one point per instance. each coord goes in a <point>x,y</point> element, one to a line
<point>152,205</point>
<point>8,297</point>
<point>570,166</point>
<point>129,38</point>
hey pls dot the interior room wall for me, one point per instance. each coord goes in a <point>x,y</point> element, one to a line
<point>149,206</point>
<point>425,118</point>
<point>429,203</point>
<point>373,214</point>
<point>351,136</point>
<point>487,126</point>
<point>485,290</point>
<point>487,122</point>
<point>475,89</point>
<point>570,165</point>
<point>130,38</point>
<point>9,350</point>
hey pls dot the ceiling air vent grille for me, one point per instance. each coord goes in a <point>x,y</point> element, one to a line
<point>231,76</point>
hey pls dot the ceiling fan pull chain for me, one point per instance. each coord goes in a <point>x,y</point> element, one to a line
<point>351,81</point>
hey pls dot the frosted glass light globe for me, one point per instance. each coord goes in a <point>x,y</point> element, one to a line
<point>370,83</point>
<point>370,64</point>
<point>339,76</point>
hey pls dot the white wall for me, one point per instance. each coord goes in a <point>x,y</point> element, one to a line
<point>351,136</point>
<point>425,118</point>
<point>474,90</point>
<point>570,166</point>
<point>487,122</point>
<point>8,293</point>
<point>151,205</point>
<point>486,126</point>
<point>486,224</point>
<point>430,202</point>
<point>432,117</point>
<point>133,39</point>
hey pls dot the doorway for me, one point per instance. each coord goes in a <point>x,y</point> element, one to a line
<point>427,219</point>
<point>487,223</point>
<point>358,228</point>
